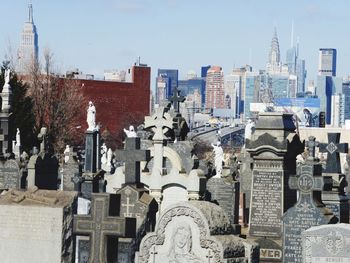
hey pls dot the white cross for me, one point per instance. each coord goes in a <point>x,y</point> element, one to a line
<point>127,205</point>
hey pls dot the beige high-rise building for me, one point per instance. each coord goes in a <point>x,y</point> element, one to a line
<point>215,92</point>
<point>28,49</point>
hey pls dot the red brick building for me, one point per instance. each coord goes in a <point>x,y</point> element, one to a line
<point>119,103</point>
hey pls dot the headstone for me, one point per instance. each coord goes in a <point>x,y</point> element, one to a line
<point>326,243</point>
<point>46,172</point>
<point>245,180</point>
<point>185,233</point>
<point>103,227</point>
<point>335,199</point>
<point>176,99</point>
<point>274,147</point>
<point>69,170</point>
<point>226,194</point>
<point>137,203</point>
<point>132,155</point>
<point>10,175</point>
<point>333,148</point>
<point>36,226</point>
<point>308,211</point>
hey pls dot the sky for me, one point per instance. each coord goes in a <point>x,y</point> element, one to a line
<point>96,35</point>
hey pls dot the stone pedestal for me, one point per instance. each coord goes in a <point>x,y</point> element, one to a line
<point>91,152</point>
<point>5,125</point>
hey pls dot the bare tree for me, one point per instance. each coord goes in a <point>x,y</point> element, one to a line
<point>58,103</point>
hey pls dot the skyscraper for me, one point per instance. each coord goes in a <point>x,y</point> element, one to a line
<point>173,77</point>
<point>214,92</point>
<point>28,50</point>
<point>274,61</point>
<point>327,62</point>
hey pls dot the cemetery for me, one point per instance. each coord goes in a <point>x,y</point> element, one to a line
<point>156,199</point>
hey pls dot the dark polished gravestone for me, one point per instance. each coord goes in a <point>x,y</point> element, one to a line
<point>226,194</point>
<point>335,199</point>
<point>104,226</point>
<point>132,155</point>
<point>309,210</point>
<point>333,148</point>
<point>10,175</point>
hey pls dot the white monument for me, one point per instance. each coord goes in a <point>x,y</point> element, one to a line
<point>18,138</point>
<point>91,117</point>
<point>66,154</point>
<point>219,158</point>
<point>131,132</point>
<point>249,129</point>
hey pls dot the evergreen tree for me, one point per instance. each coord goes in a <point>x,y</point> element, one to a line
<point>22,110</point>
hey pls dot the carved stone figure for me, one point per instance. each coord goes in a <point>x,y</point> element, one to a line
<point>219,158</point>
<point>18,138</point>
<point>131,132</point>
<point>66,154</point>
<point>109,157</point>
<point>91,117</point>
<point>181,246</point>
<point>104,154</point>
<point>249,129</point>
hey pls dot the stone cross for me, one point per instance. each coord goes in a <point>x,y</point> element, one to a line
<point>127,205</point>
<point>209,256</point>
<point>306,184</point>
<point>132,156</point>
<point>160,122</point>
<point>77,179</point>
<point>333,148</point>
<point>153,254</point>
<point>311,145</point>
<point>42,139</point>
<point>99,225</point>
<point>176,99</point>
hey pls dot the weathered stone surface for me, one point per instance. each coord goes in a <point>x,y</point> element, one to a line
<point>327,243</point>
<point>308,211</point>
<point>225,194</point>
<point>10,175</point>
<point>69,170</point>
<point>273,148</point>
<point>100,224</point>
<point>36,226</point>
<point>196,232</point>
<point>132,155</point>
<point>45,171</point>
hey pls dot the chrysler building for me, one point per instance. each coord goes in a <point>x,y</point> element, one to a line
<point>274,63</point>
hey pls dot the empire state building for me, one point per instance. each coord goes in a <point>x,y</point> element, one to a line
<point>28,49</point>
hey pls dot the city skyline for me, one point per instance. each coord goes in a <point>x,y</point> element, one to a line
<point>173,34</point>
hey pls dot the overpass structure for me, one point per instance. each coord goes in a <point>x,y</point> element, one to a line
<point>229,136</point>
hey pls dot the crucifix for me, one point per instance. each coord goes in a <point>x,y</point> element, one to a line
<point>99,225</point>
<point>153,254</point>
<point>132,155</point>
<point>176,99</point>
<point>333,148</point>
